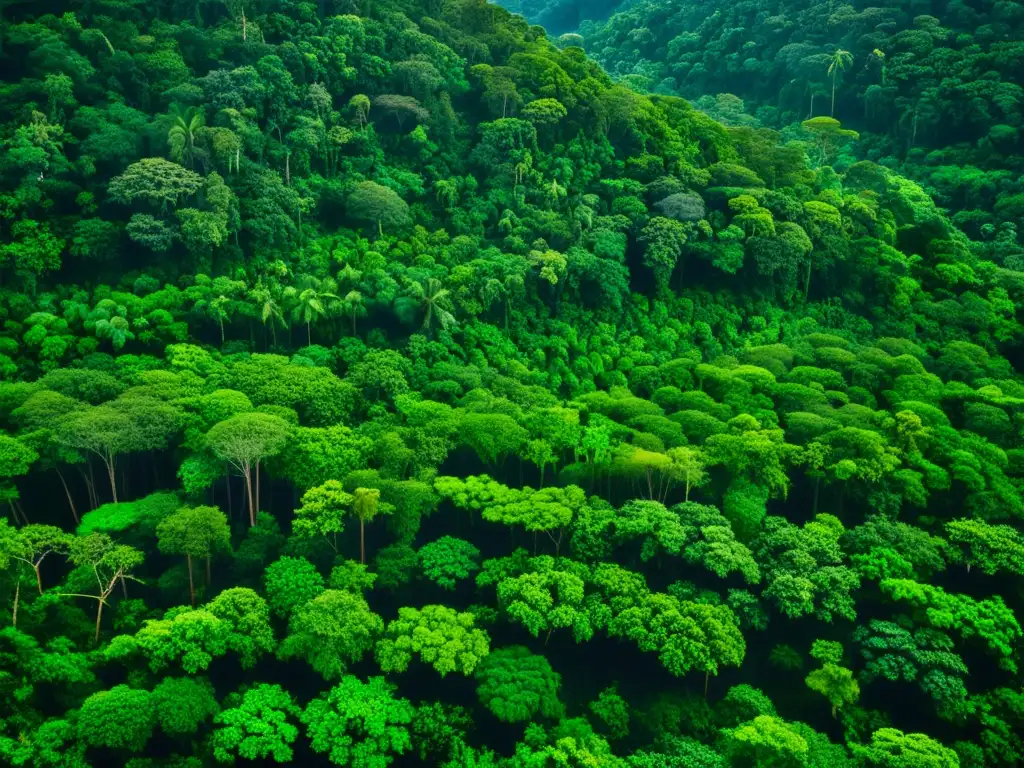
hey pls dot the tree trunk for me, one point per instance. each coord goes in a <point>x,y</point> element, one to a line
<point>111,473</point>
<point>309,335</point>
<point>834,73</point>
<point>707,676</point>
<point>362,541</point>
<point>248,491</point>
<point>71,501</point>
<point>207,570</point>
<point>191,585</point>
<point>17,597</point>
<point>257,490</point>
<point>99,618</point>
<point>39,576</point>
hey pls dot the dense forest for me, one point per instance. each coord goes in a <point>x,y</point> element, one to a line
<point>385,383</point>
<point>932,87</point>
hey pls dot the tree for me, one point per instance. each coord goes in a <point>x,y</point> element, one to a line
<point>247,619</point>
<point>198,532</point>
<point>365,505</point>
<point>492,435</point>
<point>311,303</point>
<point>323,513</point>
<point>688,467</point>
<point>260,725</point>
<point>331,631</point>
<point>832,681</point>
<point>243,441</point>
<point>16,459</point>
<point>102,431</point>
<point>189,637</point>
<point>183,704</point>
<point>359,724</point>
<point>448,560</point>
<point>891,748</point>
<point>354,305</point>
<point>374,203</point>
<point>839,61</point>
<point>181,138</point>
<point>121,718</point>
<point>156,181</point>
<point>109,563</point>
<point>546,600</point>
<point>267,299</point>
<point>440,636</point>
<point>925,656</point>
<point>990,619</point>
<point>516,685</point>
<point>766,741</point>
<point>612,710</point>
<point>992,548</point>
<point>36,543</point>
<point>433,299</point>
<point>291,582</point>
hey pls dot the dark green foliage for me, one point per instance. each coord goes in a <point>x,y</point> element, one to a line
<point>280,282</point>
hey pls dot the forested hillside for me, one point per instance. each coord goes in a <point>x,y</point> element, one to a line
<point>933,88</point>
<point>383,384</point>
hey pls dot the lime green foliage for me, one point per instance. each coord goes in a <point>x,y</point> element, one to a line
<point>547,599</point>
<point>891,748</point>
<point>247,617</point>
<point>359,723</point>
<point>992,548</point>
<point>989,620</point>
<point>331,631</point>
<point>832,681</point>
<point>125,518</point>
<point>766,741</point>
<point>260,724</point>
<point>517,685</point>
<point>440,636</point>
<point>323,512</point>
<point>353,576</point>
<point>448,560</point>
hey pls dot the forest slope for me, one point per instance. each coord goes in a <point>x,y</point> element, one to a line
<point>352,349</point>
<point>932,87</point>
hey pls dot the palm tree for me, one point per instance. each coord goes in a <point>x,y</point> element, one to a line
<point>840,60</point>
<point>353,303</point>
<point>432,298</point>
<point>447,192</point>
<point>182,135</point>
<point>266,300</point>
<point>309,303</point>
<point>217,309</point>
